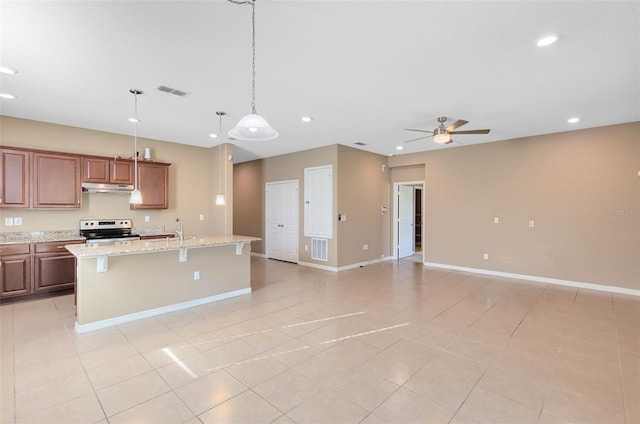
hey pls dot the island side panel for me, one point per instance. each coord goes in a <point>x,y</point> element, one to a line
<point>140,282</point>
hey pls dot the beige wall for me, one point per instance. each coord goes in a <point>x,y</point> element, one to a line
<point>193,180</point>
<point>282,168</point>
<point>249,203</point>
<point>581,188</point>
<point>360,188</point>
<point>363,188</point>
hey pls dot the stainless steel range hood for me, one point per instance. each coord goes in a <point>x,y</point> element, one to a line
<point>107,188</point>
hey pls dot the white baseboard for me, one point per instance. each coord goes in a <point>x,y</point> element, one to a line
<point>318,266</point>
<point>83,328</point>
<point>259,255</point>
<point>547,280</point>
<point>346,267</point>
<point>360,264</point>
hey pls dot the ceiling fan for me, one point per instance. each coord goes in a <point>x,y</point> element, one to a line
<point>442,135</point>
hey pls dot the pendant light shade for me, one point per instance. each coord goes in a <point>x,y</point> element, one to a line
<point>252,127</point>
<point>136,196</point>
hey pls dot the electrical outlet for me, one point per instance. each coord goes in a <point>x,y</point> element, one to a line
<point>531,224</point>
<point>306,247</point>
<point>8,222</point>
<point>201,217</point>
<point>486,256</point>
<point>17,221</point>
<point>146,218</point>
<point>196,275</point>
<point>496,220</point>
<point>365,247</point>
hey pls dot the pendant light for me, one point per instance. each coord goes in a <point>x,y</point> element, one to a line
<point>220,197</point>
<point>252,127</point>
<point>136,196</point>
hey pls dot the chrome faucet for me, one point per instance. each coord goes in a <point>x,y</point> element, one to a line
<point>180,232</point>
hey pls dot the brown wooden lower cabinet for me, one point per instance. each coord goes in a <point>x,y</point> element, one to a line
<point>55,267</point>
<point>38,267</point>
<point>15,270</point>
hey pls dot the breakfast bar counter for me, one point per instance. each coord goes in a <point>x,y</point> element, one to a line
<point>122,282</point>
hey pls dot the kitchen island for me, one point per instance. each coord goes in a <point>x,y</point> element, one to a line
<point>122,282</point>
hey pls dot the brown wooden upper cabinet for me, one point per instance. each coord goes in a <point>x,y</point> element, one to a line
<point>56,181</point>
<point>15,178</point>
<point>153,182</point>
<point>102,170</point>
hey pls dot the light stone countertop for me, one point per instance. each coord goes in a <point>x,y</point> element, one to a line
<point>82,251</point>
<point>27,237</point>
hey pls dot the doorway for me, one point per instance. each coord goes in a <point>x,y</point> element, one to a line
<point>282,220</point>
<point>408,217</point>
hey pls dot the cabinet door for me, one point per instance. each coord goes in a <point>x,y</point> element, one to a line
<point>95,170</point>
<point>15,275</point>
<point>54,271</point>
<point>56,181</point>
<point>153,182</point>
<point>121,172</point>
<point>15,173</point>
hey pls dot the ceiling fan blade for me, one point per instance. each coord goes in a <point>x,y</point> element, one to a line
<point>458,123</point>
<point>415,139</point>
<point>410,129</point>
<point>471,132</point>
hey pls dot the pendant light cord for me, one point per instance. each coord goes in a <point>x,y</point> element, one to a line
<point>220,152</point>
<point>253,51</point>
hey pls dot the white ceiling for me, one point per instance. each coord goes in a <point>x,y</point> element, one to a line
<point>364,70</point>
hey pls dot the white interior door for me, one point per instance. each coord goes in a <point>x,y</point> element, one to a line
<point>406,218</point>
<point>282,221</point>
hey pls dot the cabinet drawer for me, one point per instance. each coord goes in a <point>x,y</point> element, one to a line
<point>56,246</point>
<point>14,249</point>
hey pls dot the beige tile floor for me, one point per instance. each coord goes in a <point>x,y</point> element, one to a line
<point>389,343</point>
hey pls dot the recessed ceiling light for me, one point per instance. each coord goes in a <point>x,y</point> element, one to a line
<point>307,119</point>
<point>7,96</point>
<point>547,40</point>
<point>399,147</point>
<point>573,120</point>
<point>212,135</point>
<point>7,70</point>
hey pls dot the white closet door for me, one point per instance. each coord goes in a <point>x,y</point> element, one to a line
<point>318,202</point>
<point>282,221</point>
<point>405,221</point>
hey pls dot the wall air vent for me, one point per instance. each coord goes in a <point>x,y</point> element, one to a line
<point>360,143</point>
<point>173,91</point>
<point>319,249</point>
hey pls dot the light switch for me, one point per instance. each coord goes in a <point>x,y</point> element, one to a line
<point>496,220</point>
<point>531,224</point>
<point>8,222</point>
<point>201,217</point>
<point>17,221</point>
<point>146,218</point>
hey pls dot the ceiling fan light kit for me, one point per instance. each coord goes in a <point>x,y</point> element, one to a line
<point>441,136</point>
